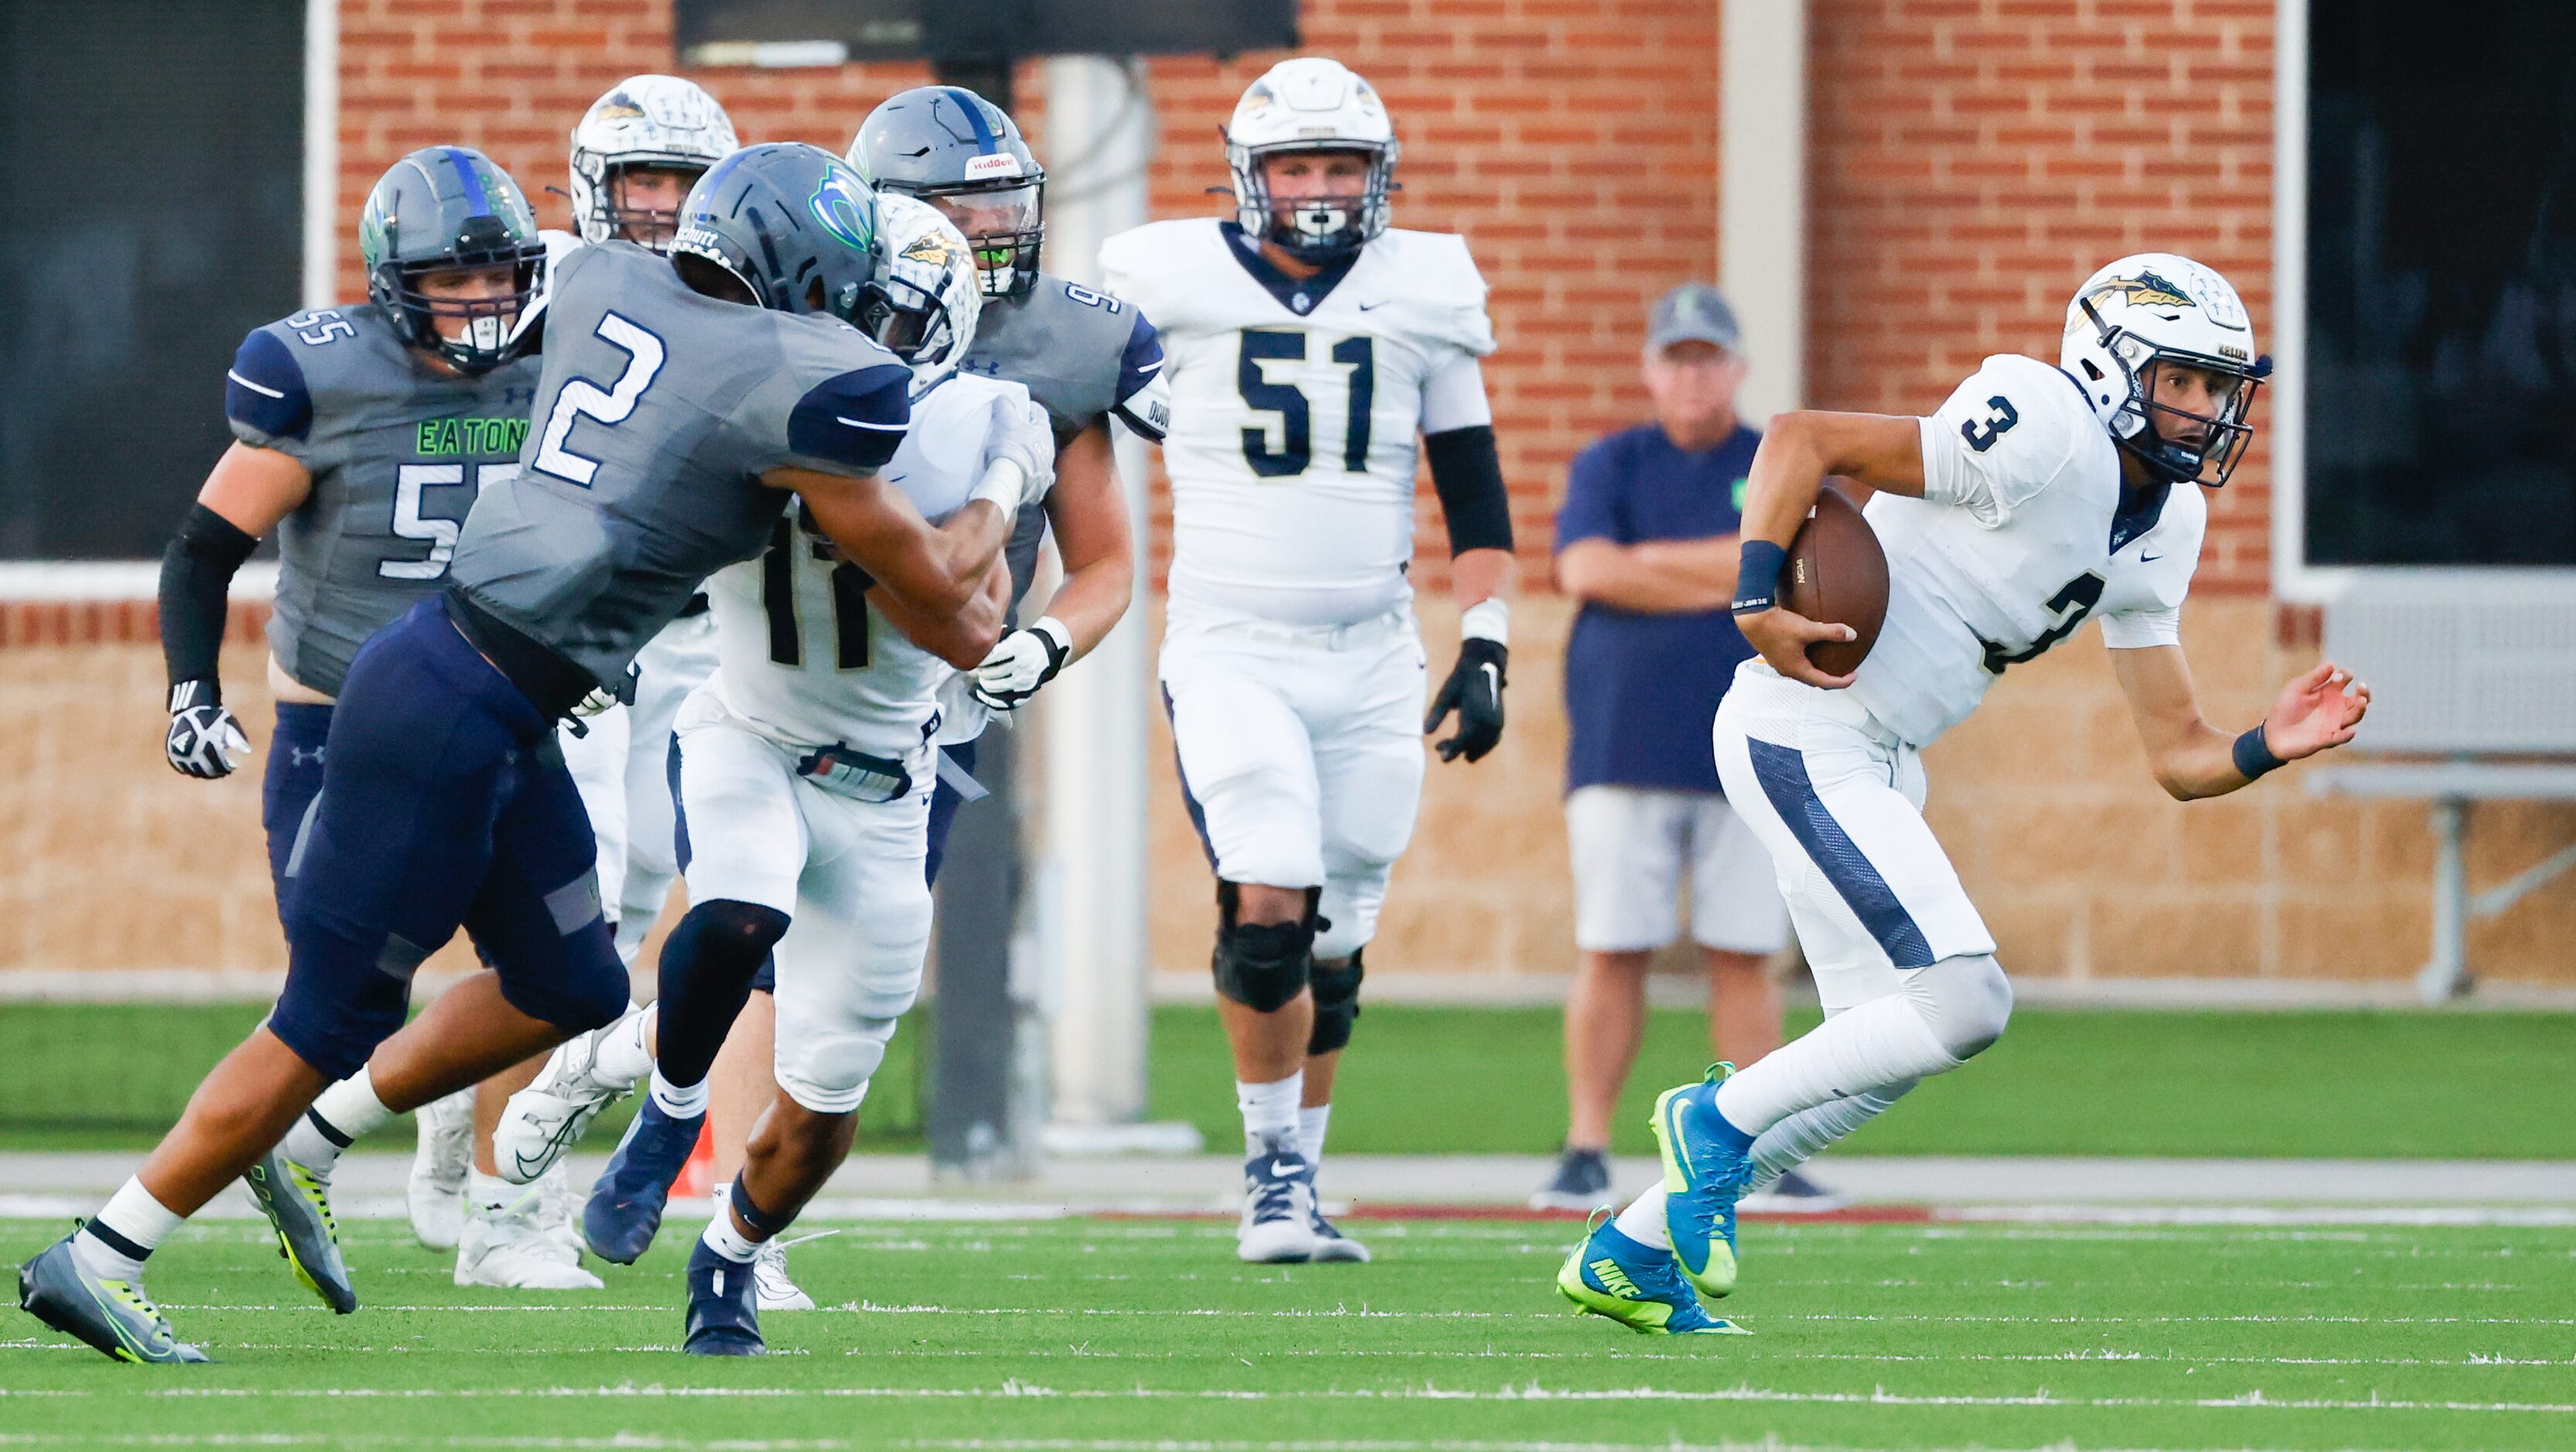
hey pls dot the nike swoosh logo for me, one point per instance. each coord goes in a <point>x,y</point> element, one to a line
<point>1493,678</point>
<point>1154,367</point>
<point>1282,1169</point>
<point>861,424</point>
<point>2148,559</point>
<point>1381,302</point>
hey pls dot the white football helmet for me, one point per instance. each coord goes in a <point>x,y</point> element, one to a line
<point>928,291</point>
<point>1311,104</point>
<point>2156,307</point>
<point>656,121</point>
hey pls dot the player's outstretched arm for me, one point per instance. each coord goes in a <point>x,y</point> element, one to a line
<point>1798,452</point>
<point>2317,711</point>
<point>250,490</point>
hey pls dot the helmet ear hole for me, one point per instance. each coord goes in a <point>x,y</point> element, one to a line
<point>2091,371</point>
<point>814,295</point>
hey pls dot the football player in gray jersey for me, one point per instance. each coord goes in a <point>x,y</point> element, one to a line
<point>682,402</point>
<point>361,437</point>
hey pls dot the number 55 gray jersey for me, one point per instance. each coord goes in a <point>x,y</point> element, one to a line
<point>656,413</point>
<point>397,451</point>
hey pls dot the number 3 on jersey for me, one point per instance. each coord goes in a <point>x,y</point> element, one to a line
<point>582,398</point>
<point>1296,419</point>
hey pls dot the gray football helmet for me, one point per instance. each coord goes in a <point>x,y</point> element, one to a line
<point>792,223</point>
<point>963,155</point>
<point>439,209</point>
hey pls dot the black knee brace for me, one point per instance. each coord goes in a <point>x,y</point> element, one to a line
<point>706,971</point>
<point>1337,1003</point>
<point>1262,965</point>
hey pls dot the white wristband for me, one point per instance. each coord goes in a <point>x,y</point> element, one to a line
<point>1488,619</point>
<point>1055,630</point>
<point>1002,484</point>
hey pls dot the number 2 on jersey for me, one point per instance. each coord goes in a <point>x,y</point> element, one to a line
<point>1296,418</point>
<point>580,398</point>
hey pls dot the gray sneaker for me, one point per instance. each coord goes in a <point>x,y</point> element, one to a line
<point>114,1316</point>
<point>297,1203</point>
<point>1582,1182</point>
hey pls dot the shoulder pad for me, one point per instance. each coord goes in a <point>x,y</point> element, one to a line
<point>265,397</point>
<point>855,419</point>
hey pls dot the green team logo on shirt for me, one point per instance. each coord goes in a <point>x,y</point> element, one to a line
<point>1740,483</point>
<point>471,436</point>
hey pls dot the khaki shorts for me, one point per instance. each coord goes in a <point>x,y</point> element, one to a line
<point>1634,847</point>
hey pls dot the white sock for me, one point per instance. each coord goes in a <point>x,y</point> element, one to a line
<point>1803,1135</point>
<point>726,1241</point>
<point>1643,1220</point>
<point>347,1110</point>
<point>677,1102</point>
<point>1269,1110</point>
<point>132,1216</point>
<point>623,1059</point>
<point>490,1195</point>
<point>1311,1122</point>
<point>1883,1041</point>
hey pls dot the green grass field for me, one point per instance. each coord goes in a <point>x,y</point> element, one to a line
<point>1486,1080</point>
<point>1148,1335</point>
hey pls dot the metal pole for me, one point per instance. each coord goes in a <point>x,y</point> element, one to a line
<point>1099,139</point>
<point>2446,976</point>
<point>974,1026</point>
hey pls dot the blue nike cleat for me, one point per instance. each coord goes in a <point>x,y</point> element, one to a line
<point>297,1203</point>
<point>1708,1164</point>
<point>724,1307</point>
<point>625,1208</point>
<point>113,1316</point>
<point>1638,1286</point>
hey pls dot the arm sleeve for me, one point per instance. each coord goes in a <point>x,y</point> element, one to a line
<point>1591,507</point>
<point>2141,629</point>
<point>1144,401</point>
<point>2002,437</point>
<point>850,423</point>
<point>265,398</point>
<point>1468,476</point>
<point>196,574</point>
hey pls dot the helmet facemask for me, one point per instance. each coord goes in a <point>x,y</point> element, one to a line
<point>2159,435</point>
<point>647,227</point>
<point>1320,229</point>
<point>924,301</point>
<point>1004,223</point>
<point>492,334</point>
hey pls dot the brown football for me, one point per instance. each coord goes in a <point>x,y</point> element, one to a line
<point>1837,573</point>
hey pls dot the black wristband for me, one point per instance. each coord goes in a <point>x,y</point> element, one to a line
<point>1757,576</point>
<point>2254,755</point>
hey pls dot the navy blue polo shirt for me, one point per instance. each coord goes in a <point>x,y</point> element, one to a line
<point>1641,691</point>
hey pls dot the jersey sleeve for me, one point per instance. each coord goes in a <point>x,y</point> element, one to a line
<point>1453,396</point>
<point>1446,293</point>
<point>1127,269</point>
<point>838,403</point>
<point>265,398</point>
<point>1143,399</point>
<point>2007,433</point>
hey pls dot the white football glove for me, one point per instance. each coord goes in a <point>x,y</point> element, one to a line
<point>1022,433</point>
<point>205,739</point>
<point>1022,662</point>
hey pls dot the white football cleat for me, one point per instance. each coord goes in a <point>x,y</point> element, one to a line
<point>1278,1208</point>
<point>770,1281</point>
<point>1330,1243</point>
<point>516,1246</point>
<point>549,1117</point>
<point>436,1194</point>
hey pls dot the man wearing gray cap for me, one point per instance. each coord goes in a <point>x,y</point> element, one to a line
<point>1646,539</point>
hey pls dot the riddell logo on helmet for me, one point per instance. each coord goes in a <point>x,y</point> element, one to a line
<point>998,164</point>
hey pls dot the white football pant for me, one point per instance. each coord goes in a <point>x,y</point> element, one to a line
<point>1301,756</point>
<point>848,873</point>
<point>622,769</point>
<point>1837,800</point>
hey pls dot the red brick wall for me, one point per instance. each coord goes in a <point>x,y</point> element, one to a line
<point>1973,160</point>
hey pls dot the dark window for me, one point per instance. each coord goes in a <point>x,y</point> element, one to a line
<point>152,153</point>
<point>2441,386</point>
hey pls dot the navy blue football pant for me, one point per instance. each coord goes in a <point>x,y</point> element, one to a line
<point>944,802</point>
<point>444,804</point>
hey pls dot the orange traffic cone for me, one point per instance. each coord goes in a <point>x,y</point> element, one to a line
<point>697,1177</point>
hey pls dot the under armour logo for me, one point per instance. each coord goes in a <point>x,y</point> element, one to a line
<point>298,756</point>
<point>986,366</point>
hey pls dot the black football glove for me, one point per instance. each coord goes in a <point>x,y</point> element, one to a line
<point>205,740</point>
<point>1475,691</point>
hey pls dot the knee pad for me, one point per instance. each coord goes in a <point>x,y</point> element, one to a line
<point>1337,1003</point>
<point>1262,965</point>
<point>1967,1002</point>
<point>828,1071</point>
